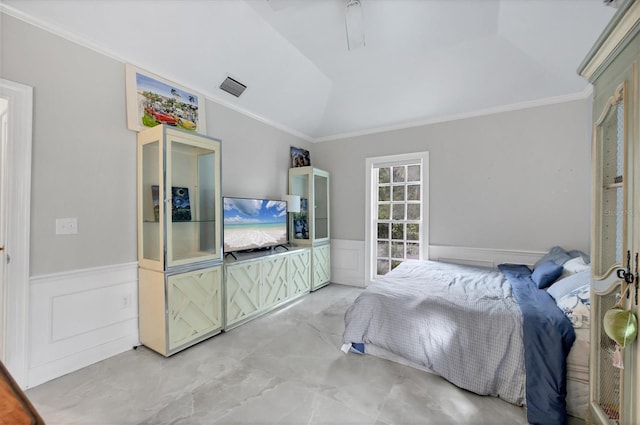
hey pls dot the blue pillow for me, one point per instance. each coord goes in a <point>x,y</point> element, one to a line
<point>546,273</point>
<point>555,254</point>
<point>577,253</point>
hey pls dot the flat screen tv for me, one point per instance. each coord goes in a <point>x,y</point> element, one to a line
<point>251,224</point>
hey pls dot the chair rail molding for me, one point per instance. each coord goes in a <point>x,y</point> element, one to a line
<point>348,259</point>
<point>484,257</point>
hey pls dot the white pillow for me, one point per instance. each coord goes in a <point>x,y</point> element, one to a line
<point>563,286</point>
<point>576,305</point>
<point>575,265</point>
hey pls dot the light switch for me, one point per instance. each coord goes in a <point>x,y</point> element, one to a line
<point>66,226</point>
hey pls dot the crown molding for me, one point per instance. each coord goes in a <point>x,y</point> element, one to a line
<point>471,114</point>
<point>61,32</point>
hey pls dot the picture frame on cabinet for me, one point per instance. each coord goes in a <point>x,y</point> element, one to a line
<point>180,203</point>
<point>153,100</point>
<point>300,220</point>
<point>300,157</point>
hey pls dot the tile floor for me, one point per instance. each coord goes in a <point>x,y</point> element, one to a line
<point>283,368</point>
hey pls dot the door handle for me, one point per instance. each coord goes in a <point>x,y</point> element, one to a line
<point>626,274</point>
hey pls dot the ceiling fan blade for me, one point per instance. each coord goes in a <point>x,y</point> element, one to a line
<point>354,25</point>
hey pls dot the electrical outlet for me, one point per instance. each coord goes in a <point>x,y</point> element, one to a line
<point>66,226</point>
<point>125,302</point>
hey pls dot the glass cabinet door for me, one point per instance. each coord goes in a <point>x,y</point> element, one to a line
<point>179,198</point>
<point>321,205</point>
<point>150,213</point>
<point>193,205</point>
<point>299,184</point>
<point>311,224</point>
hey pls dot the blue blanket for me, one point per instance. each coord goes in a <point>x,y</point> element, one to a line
<point>548,336</point>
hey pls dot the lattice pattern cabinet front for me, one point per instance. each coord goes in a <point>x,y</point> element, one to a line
<point>274,281</point>
<point>255,285</point>
<point>179,238</point>
<point>194,301</point>
<point>242,284</point>
<point>321,266</point>
<point>179,310</point>
<point>298,269</point>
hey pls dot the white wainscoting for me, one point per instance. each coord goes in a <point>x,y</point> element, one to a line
<point>485,257</point>
<point>80,317</point>
<point>347,258</point>
<point>347,262</point>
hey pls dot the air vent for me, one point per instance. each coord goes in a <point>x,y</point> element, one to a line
<point>232,86</point>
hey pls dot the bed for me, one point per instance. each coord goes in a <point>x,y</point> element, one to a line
<point>483,328</point>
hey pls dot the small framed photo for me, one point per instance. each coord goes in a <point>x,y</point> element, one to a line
<point>152,100</point>
<point>299,157</point>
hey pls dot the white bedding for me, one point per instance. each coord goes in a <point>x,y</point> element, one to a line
<point>461,322</point>
<point>487,285</point>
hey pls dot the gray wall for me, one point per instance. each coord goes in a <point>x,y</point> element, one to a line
<point>84,157</point>
<point>514,180</point>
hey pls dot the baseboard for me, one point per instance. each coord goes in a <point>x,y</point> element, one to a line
<point>80,317</point>
<point>347,258</point>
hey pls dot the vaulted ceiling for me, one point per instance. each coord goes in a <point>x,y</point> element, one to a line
<point>424,60</point>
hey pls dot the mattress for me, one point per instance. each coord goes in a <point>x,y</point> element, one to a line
<point>578,374</point>
<point>578,358</point>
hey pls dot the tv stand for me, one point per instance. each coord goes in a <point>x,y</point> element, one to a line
<point>231,254</point>
<point>283,246</point>
<point>258,282</point>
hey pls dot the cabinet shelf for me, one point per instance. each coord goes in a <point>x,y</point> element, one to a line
<point>182,222</point>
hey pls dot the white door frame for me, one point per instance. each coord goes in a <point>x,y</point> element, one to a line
<point>18,213</point>
<point>370,194</point>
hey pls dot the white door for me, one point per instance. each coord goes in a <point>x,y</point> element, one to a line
<point>16,103</point>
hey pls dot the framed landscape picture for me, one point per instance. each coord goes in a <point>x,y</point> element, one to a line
<point>152,100</point>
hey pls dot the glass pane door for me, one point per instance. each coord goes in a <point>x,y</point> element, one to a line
<point>321,211</point>
<point>192,201</point>
<point>152,200</point>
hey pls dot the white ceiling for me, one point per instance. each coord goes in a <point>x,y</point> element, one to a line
<point>424,60</point>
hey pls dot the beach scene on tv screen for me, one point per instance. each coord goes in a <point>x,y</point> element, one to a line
<point>254,223</point>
